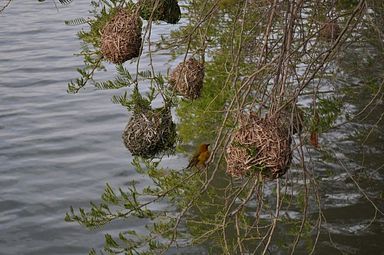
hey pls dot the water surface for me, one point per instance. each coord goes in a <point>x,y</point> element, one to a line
<point>58,149</point>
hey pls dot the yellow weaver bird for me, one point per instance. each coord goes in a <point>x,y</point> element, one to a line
<point>200,157</point>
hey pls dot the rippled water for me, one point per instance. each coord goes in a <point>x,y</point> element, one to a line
<point>58,149</point>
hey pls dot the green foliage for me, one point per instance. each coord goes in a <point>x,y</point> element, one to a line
<point>346,4</point>
<point>101,214</point>
<point>137,101</point>
<point>92,62</point>
<point>76,22</point>
<point>326,113</point>
<point>208,207</point>
<point>103,11</point>
<point>92,36</point>
<point>121,204</point>
<point>199,119</point>
<point>166,10</point>
<point>123,79</point>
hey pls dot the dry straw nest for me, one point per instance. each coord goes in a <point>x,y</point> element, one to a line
<point>121,36</point>
<point>329,30</point>
<point>187,78</point>
<point>259,145</point>
<point>150,132</point>
<point>165,10</point>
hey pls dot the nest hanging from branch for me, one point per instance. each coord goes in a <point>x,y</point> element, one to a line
<point>329,30</point>
<point>187,78</point>
<point>121,37</point>
<point>165,10</point>
<point>293,118</point>
<point>150,132</point>
<point>259,145</point>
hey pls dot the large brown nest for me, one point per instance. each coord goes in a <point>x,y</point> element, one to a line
<point>150,132</point>
<point>165,10</point>
<point>121,37</point>
<point>260,145</point>
<point>187,78</point>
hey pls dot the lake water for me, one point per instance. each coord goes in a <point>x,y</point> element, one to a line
<point>58,149</point>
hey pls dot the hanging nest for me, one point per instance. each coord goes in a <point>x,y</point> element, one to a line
<point>260,145</point>
<point>293,118</point>
<point>150,132</point>
<point>166,10</point>
<point>329,30</point>
<point>121,37</point>
<point>187,78</point>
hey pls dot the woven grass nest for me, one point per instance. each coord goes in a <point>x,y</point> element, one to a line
<point>150,132</point>
<point>166,10</point>
<point>329,30</point>
<point>121,37</point>
<point>187,78</point>
<point>259,145</point>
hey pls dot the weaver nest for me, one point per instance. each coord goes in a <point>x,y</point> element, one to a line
<point>292,117</point>
<point>150,132</point>
<point>261,145</point>
<point>187,78</point>
<point>165,10</point>
<point>329,30</point>
<point>121,37</point>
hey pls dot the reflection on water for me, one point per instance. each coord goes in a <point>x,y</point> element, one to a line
<point>58,150</point>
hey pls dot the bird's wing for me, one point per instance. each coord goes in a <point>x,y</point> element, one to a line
<point>203,156</point>
<point>193,161</point>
